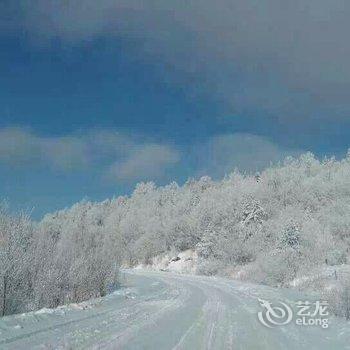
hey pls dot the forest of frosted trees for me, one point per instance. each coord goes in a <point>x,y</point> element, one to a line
<point>291,217</point>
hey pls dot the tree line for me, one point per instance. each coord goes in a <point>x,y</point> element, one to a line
<point>289,218</point>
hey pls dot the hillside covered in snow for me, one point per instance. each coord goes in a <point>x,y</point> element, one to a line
<point>270,228</point>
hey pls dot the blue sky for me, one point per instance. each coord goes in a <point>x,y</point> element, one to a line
<point>96,96</point>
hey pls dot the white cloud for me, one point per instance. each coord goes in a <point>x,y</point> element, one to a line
<point>71,20</point>
<point>146,162</point>
<point>123,156</point>
<point>290,58</point>
<point>246,152</point>
<point>21,147</point>
<point>66,153</point>
<point>119,157</point>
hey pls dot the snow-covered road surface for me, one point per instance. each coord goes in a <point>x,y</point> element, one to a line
<point>161,310</point>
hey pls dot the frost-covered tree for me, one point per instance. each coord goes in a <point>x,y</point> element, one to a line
<point>15,261</point>
<point>292,216</point>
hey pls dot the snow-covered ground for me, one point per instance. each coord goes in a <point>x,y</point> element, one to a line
<point>327,276</point>
<point>160,310</point>
<point>183,262</point>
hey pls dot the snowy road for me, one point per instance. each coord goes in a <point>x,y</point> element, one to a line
<point>166,311</point>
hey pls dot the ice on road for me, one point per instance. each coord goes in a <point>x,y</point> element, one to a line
<point>160,310</point>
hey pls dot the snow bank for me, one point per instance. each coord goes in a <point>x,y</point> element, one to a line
<point>327,277</point>
<point>183,262</point>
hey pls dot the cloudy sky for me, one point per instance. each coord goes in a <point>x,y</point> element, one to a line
<point>98,95</point>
